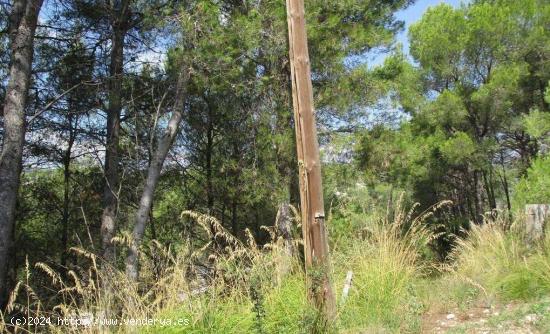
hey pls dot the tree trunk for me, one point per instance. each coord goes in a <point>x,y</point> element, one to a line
<point>152,223</point>
<point>110,196</point>
<point>489,189</point>
<point>163,146</point>
<point>209,183</point>
<point>22,27</point>
<point>66,197</point>
<point>478,197</point>
<point>506,188</point>
<point>209,148</point>
<point>236,175</point>
<point>311,192</point>
<point>234,222</point>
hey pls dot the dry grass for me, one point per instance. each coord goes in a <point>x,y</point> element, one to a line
<point>218,279</point>
<point>387,264</point>
<point>493,264</point>
<point>233,286</point>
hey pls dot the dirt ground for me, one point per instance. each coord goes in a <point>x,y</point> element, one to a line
<point>507,319</point>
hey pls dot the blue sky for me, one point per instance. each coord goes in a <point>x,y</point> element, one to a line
<point>409,16</point>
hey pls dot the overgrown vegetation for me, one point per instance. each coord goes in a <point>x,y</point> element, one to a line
<point>395,282</point>
<point>148,147</point>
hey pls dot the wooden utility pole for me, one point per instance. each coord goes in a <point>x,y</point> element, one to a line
<point>537,220</point>
<point>311,191</point>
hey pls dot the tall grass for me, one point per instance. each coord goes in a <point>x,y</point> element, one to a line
<point>247,288</point>
<point>226,286</point>
<point>234,286</point>
<point>387,263</point>
<point>499,263</point>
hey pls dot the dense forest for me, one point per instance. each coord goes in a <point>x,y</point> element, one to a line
<point>149,168</point>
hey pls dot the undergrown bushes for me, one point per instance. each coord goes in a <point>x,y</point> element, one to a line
<point>500,264</point>
<point>261,289</point>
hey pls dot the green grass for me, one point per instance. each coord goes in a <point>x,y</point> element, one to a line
<point>501,265</point>
<point>391,290</point>
<point>387,266</point>
<point>283,309</point>
<point>394,286</point>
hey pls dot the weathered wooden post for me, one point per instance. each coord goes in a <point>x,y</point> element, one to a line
<point>311,191</point>
<point>283,225</point>
<point>347,287</point>
<point>537,217</point>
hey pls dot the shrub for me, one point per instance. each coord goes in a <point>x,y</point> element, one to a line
<point>387,264</point>
<point>534,188</point>
<point>499,263</point>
